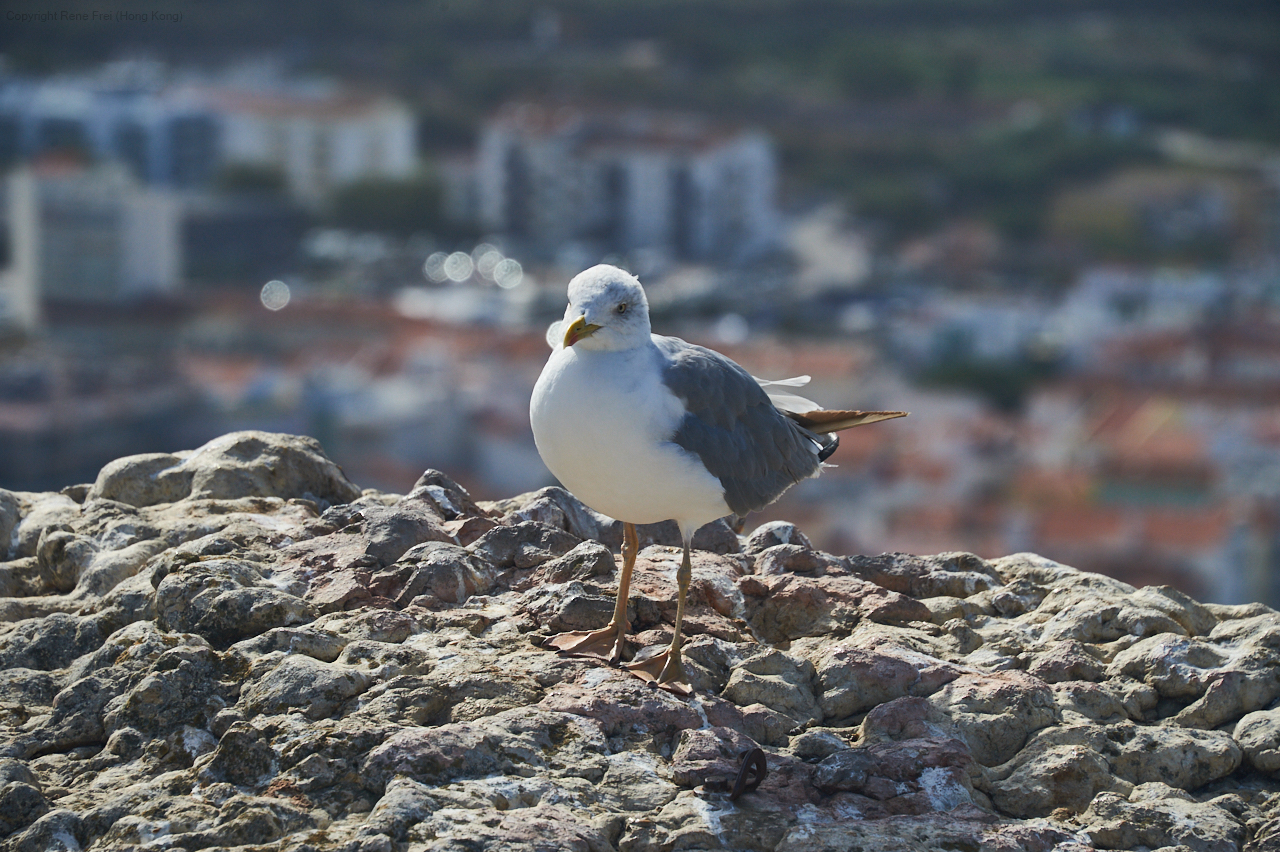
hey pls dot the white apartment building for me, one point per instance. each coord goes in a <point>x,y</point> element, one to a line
<point>86,235</point>
<point>319,139</point>
<point>624,181</point>
<point>318,135</point>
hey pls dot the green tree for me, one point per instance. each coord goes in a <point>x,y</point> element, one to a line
<point>390,206</point>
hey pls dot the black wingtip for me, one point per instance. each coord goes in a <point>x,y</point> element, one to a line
<point>828,446</point>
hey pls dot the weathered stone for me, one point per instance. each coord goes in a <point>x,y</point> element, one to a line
<point>713,604</point>
<point>524,737</point>
<point>1177,666</point>
<point>912,776</point>
<point>1053,777</point>
<point>21,803</point>
<point>995,713</point>
<point>394,530</point>
<point>928,831</point>
<point>240,464</point>
<point>259,666</point>
<point>304,683</point>
<point>945,608</point>
<point>1180,757</point>
<point>623,706</point>
<point>1112,822</point>
<point>526,544</point>
<point>1083,701</point>
<point>226,601</point>
<point>42,512</point>
<point>450,499</point>
<point>444,571</point>
<point>57,831</point>
<point>815,744</point>
<point>586,561</point>
<point>1259,737</point>
<point>143,480</point>
<point>48,643</point>
<point>798,559</point>
<point>1017,597</point>
<point>788,606</point>
<point>853,680</point>
<point>1092,608</point>
<point>710,757</point>
<point>715,537</point>
<point>62,556</point>
<point>773,533</point>
<point>569,607</point>
<point>957,575</point>
<point>243,757</point>
<point>186,685</point>
<point>321,644</point>
<point>555,507</point>
<point>637,781</point>
<point>10,514</point>
<point>1066,660</point>
<point>905,719</point>
<point>777,681</point>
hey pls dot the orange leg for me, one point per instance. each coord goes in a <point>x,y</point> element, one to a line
<point>665,669</point>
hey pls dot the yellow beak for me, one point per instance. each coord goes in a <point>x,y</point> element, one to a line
<point>577,330</point>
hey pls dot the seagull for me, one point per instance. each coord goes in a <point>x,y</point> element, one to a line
<point>645,428</point>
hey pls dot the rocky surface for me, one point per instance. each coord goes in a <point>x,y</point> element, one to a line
<point>236,648</point>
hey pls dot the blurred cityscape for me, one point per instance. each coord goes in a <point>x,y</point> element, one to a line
<point>1052,235</point>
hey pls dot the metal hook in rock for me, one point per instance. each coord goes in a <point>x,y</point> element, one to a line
<point>754,769</point>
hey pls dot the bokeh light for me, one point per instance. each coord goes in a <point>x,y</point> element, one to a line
<point>433,268</point>
<point>508,273</point>
<point>459,266</point>
<point>275,295</point>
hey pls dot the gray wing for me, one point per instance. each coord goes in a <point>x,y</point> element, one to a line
<point>755,450</point>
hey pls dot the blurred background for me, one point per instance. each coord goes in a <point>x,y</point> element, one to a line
<point>1050,231</point>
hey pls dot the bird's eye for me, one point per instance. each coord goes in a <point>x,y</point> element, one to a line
<point>622,309</point>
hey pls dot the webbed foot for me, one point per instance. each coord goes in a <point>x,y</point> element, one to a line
<point>607,643</point>
<point>662,669</point>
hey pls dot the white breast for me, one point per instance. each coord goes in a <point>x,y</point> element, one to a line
<point>603,422</point>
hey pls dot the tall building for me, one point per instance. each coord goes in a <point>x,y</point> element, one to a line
<point>624,180</point>
<point>166,138</point>
<point>80,234</point>
<point>318,136</point>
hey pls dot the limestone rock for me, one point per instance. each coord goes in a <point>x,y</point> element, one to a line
<point>777,681</point>
<point>225,600</point>
<point>525,544</point>
<point>235,648</point>
<point>240,464</point>
<point>1066,776</point>
<point>767,535</point>
<point>10,514</point>
<point>36,514</point>
<point>853,680</point>
<point>304,683</point>
<point>1182,758</point>
<point>913,776</point>
<point>954,574</point>
<point>451,500</point>
<point>710,757</point>
<point>1258,735</point>
<point>994,713</point>
<point>1112,822</point>
<point>929,831</point>
<point>787,606</point>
